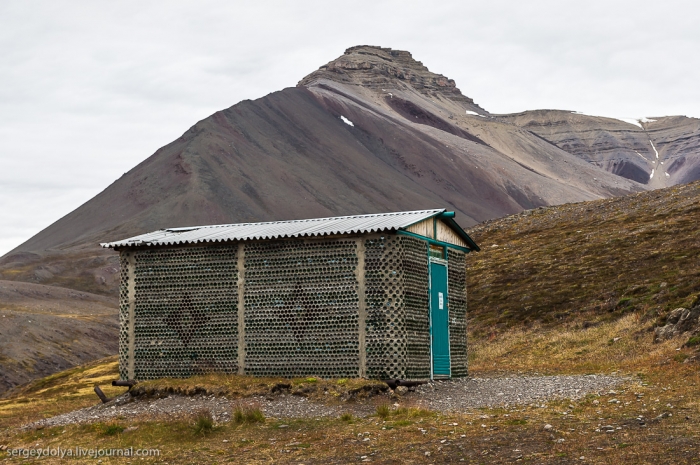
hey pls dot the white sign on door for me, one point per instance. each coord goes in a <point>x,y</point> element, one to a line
<point>440,301</point>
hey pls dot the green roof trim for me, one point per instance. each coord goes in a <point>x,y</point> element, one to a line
<point>448,218</point>
<point>401,232</point>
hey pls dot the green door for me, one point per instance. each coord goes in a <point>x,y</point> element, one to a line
<point>439,320</point>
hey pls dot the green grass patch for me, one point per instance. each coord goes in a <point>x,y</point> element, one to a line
<point>624,302</point>
<point>112,429</point>
<point>203,422</point>
<point>247,415</point>
<point>383,411</point>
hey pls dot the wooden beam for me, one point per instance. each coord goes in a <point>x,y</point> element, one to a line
<point>241,308</point>
<point>131,300</point>
<point>361,306</point>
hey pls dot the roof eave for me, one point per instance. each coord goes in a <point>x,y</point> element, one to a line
<point>449,220</point>
<point>462,233</point>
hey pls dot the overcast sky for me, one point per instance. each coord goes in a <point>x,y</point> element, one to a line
<point>89,89</point>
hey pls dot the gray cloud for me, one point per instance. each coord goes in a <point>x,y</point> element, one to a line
<point>88,89</point>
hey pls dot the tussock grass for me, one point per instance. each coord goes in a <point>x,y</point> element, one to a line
<point>383,411</point>
<point>247,414</point>
<point>412,412</point>
<point>402,415</point>
<point>112,429</point>
<point>203,422</point>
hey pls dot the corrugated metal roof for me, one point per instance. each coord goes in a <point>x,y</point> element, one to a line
<point>379,222</point>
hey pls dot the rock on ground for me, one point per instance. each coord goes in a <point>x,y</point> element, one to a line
<point>679,321</point>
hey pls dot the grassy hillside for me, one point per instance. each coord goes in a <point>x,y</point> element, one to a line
<point>587,262</point>
<point>61,392</point>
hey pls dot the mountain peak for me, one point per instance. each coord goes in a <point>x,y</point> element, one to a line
<point>378,67</point>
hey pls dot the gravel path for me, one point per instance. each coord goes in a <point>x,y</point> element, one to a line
<point>446,396</point>
<point>460,394</point>
<point>176,406</point>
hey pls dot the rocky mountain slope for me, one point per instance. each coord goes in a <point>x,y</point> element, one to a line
<point>657,152</point>
<point>371,131</point>
<point>45,329</point>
